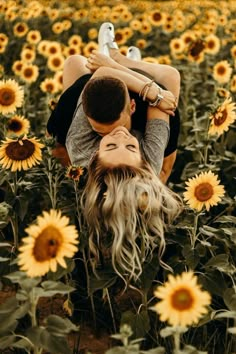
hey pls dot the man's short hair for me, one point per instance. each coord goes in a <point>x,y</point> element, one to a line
<point>104,98</point>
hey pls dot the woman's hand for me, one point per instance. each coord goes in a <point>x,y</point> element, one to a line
<point>163,99</point>
<point>96,60</point>
<point>168,104</point>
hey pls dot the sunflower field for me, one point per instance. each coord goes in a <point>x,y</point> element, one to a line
<point>189,307</point>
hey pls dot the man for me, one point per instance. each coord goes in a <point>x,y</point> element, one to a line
<point>82,139</point>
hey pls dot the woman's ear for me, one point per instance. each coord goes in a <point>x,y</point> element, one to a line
<point>132,106</point>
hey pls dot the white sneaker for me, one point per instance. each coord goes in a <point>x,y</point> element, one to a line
<point>106,38</point>
<point>134,53</point>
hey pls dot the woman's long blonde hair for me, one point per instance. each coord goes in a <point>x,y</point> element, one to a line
<point>132,207</point>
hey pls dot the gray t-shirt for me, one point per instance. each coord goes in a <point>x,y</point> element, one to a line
<point>82,142</point>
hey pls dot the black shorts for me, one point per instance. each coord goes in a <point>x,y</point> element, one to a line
<point>60,120</point>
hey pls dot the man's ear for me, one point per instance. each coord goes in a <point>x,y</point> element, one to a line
<point>132,106</point>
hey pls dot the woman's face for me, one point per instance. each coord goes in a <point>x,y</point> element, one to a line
<point>119,147</point>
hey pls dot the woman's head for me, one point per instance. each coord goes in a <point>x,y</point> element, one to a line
<point>119,147</point>
<point>134,207</point>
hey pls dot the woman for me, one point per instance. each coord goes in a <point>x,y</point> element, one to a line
<point>127,208</point>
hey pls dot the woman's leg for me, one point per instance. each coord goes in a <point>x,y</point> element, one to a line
<point>74,68</point>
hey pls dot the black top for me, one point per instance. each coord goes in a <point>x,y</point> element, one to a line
<point>61,118</point>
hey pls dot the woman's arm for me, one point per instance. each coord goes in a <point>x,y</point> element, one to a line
<point>133,83</point>
<point>134,80</point>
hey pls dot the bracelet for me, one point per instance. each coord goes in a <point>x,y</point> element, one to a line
<point>144,91</point>
<point>158,98</point>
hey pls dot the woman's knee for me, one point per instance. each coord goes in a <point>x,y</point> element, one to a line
<point>74,68</point>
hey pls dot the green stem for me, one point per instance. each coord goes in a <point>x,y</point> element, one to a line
<point>90,296</point>
<point>111,310</point>
<point>177,342</point>
<point>194,233</point>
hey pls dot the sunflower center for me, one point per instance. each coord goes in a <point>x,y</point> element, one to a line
<point>56,62</point>
<point>28,72</point>
<point>157,16</point>
<point>221,70</point>
<point>196,48</point>
<point>220,118</point>
<point>15,125</point>
<point>182,299</point>
<point>211,44</point>
<point>7,96</point>
<point>47,244</point>
<point>203,192</point>
<point>20,151</point>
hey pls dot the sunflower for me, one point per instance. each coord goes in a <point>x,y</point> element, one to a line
<point>135,25</point>
<point>56,62</point>
<point>157,18</point>
<point>20,29</point>
<point>11,96</point>
<point>89,47</point>
<point>233,51</point>
<point>2,48</point>
<point>57,27</point>
<point>203,190</point>
<point>33,37</point>
<point>29,72</point>
<point>146,27</point>
<point>74,172</point>
<point>164,59</point>
<point>49,85</point>
<point>222,118</point>
<point>177,45</point>
<point>212,44</point>
<point>92,33</point>
<point>18,154</point>
<point>183,302</point>
<point>17,67</point>
<point>52,48</point>
<point>42,47</point>
<point>28,55</point>
<point>188,37</point>
<point>3,39</point>
<point>48,242</point>
<point>233,84</point>
<point>17,125</point>
<point>75,40</point>
<point>222,71</point>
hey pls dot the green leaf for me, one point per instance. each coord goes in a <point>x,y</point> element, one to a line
<point>226,219</point>
<point>54,344</point>
<point>3,259</point>
<point>232,330</point>
<point>9,305</point>
<point>221,262</point>
<point>18,277</point>
<point>23,344</point>
<point>159,350</point>
<point>34,335</point>
<point>57,325</point>
<point>52,288</point>
<point>139,322</point>
<point>6,341</point>
<point>149,273</point>
<point>105,280</point>
<point>229,298</point>
<point>117,350</point>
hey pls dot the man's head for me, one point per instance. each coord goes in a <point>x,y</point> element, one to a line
<point>106,103</point>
